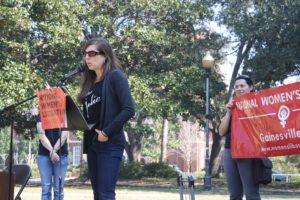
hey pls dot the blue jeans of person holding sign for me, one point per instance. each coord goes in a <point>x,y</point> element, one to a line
<point>49,173</point>
<point>52,160</point>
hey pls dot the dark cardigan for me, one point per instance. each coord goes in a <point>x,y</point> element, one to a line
<point>117,107</point>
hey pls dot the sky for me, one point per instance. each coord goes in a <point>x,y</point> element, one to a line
<point>226,66</point>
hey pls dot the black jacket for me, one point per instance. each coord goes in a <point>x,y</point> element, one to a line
<point>117,107</point>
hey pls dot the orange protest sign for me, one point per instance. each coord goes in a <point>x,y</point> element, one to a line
<point>266,123</point>
<point>52,108</point>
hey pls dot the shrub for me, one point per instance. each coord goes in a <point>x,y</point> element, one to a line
<point>159,170</point>
<point>131,170</point>
<point>34,170</point>
<point>83,168</point>
<point>135,170</point>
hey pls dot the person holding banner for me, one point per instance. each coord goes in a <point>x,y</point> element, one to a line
<point>107,106</point>
<point>239,172</point>
<point>50,154</point>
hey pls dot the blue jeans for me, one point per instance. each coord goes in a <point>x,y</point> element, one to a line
<point>48,170</point>
<point>103,167</point>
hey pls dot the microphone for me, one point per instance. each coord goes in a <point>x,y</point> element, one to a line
<point>74,71</point>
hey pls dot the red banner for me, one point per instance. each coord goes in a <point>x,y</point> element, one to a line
<point>52,108</point>
<point>266,123</point>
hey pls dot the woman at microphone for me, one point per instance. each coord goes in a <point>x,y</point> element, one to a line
<point>107,106</point>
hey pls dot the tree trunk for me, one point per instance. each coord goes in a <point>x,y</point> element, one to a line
<point>239,60</point>
<point>164,141</point>
<point>218,142</point>
<point>133,147</point>
<point>215,156</point>
<point>217,146</point>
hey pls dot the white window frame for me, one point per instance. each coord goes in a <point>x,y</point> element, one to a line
<point>76,156</point>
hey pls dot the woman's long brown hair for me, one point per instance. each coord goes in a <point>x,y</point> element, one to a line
<point>89,76</point>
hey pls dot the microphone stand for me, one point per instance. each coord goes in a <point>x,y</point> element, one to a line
<point>60,168</point>
<point>61,83</point>
<point>11,112</point>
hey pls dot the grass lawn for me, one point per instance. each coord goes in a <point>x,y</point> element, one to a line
<point>142,193</point>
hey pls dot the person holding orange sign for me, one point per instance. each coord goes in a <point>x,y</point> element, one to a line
<point>239,172</point>
<point>49,159</point>
<point>107,106</point>
<point>52,157</point>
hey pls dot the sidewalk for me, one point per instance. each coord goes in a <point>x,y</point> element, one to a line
<point>72,193</point>
<point>276,191</point>
<point>74,181</point>
<point>37,181</point>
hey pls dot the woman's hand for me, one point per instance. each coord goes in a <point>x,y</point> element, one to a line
<point>102,137</point>
<point>225,121</point>
<point>54,157</point>
<point>229,106</point>
<point>47,85</point>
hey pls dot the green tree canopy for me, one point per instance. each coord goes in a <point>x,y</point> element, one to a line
<point>268,34</point>
<point>158,42</point>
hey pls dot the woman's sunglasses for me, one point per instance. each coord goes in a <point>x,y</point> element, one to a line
<point>93,53</point>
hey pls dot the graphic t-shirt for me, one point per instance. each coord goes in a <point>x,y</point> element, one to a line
<point>92,109</point>
<point>92,103</point>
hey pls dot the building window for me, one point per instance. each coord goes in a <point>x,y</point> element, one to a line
<point>76,156</point>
